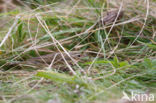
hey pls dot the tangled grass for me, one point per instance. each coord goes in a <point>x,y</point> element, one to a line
<point>115,56</point>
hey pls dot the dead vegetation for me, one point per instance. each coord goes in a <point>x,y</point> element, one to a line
<point>76,51</point>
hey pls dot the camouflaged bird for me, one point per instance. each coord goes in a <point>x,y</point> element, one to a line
<point>46,60</point>
<point>111,16</point>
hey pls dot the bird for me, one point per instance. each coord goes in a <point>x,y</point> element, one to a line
<point>56,58</point>
<point>111,16</point>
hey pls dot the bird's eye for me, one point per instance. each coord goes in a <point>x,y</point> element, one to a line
<point>79,55</point>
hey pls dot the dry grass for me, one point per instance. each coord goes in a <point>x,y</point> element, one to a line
<point>114,56</point>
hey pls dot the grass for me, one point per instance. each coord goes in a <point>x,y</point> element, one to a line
<point>115,57</point>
